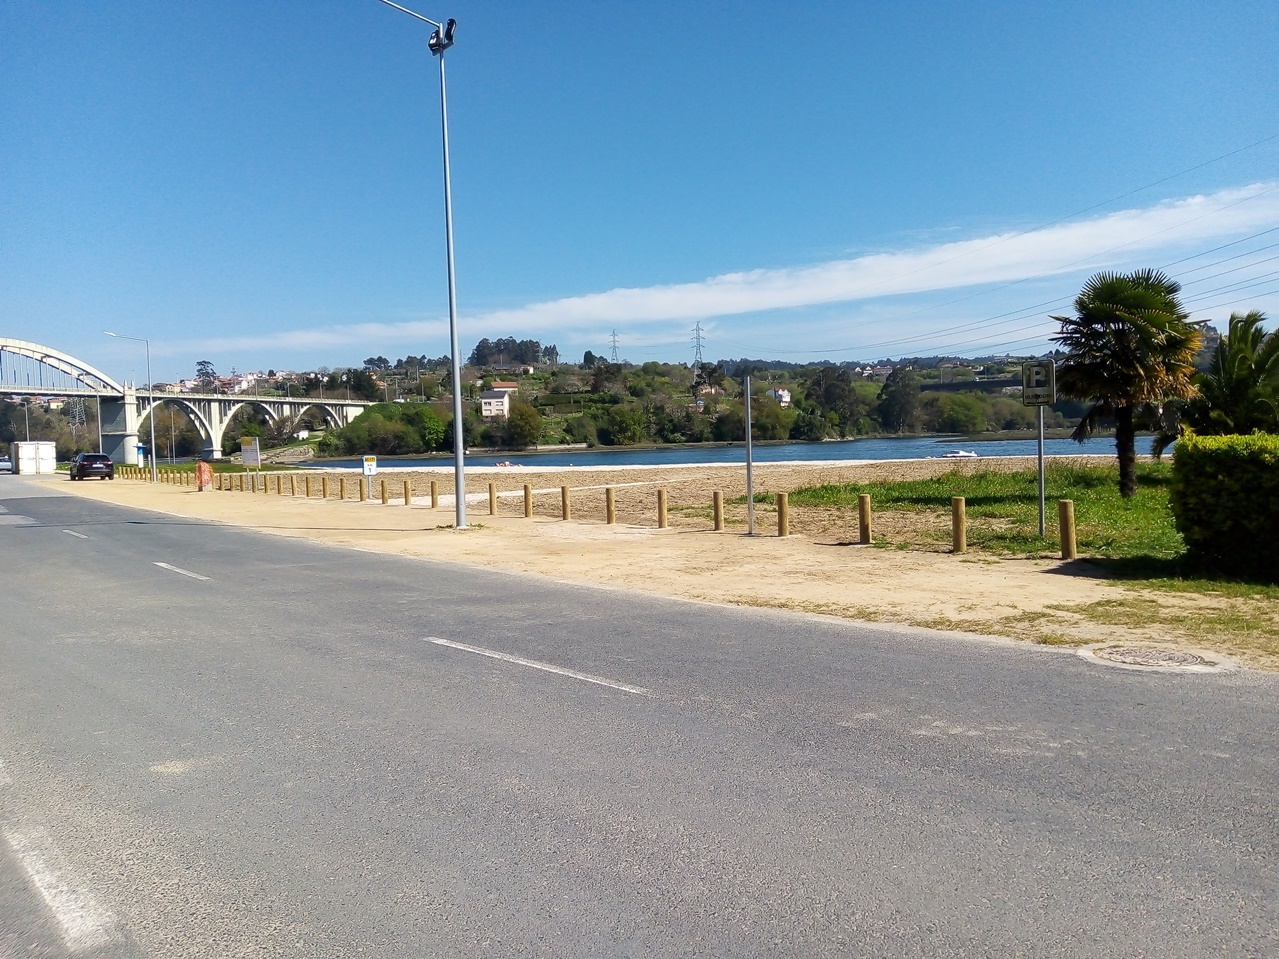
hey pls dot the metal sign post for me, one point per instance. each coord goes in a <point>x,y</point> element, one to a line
<point>1039,389</point>
<point>370,471</point>
<point>750,472</point>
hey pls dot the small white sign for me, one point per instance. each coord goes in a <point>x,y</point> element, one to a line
<point>370,466</point>
<point>250,451</point>
<point>1039,383</point>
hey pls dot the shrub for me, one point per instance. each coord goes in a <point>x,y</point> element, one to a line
<point>1225,500</point>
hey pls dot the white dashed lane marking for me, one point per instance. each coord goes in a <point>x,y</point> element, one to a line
<point>85,924</point>
<point>71,532</point>
<point>546,667</point>
<point>184,572</point>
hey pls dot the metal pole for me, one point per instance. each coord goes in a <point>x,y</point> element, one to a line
<point>750,469</point>
<point>459,442</point>
<point>1042,527</point>
<point>26,413</point>
<point>441,40</point>
<point>99,398</point>
<point>155,477</point>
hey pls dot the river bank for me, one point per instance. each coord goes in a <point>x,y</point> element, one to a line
<point>855,450</point>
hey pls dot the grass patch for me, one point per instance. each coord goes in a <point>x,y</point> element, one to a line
<point>1003,508</point>
<point>1242,622</point>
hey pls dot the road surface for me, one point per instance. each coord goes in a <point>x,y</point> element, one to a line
<point>217,743</point>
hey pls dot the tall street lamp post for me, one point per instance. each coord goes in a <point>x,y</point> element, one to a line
<point>440,40</point>
<point>150,392</point>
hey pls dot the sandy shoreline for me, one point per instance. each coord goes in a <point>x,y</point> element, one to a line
<point>817,569</point>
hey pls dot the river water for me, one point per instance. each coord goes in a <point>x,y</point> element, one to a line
<point>879,448</point>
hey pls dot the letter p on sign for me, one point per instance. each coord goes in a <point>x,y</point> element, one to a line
<point>1039,383</point>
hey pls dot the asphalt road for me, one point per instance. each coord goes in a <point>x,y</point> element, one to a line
<point>276,759</point>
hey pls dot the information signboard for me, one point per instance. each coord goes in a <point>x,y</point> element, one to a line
<point>250,451</point>
<point>370,466</point>
<point>1039,383</point>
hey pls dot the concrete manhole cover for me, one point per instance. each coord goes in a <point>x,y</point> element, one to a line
<point>1146,656</point>
<point>1151,658</point>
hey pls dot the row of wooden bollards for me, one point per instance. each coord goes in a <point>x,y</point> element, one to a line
<point>959,526</point>
<point>261,482</point>
<point>308,486</point>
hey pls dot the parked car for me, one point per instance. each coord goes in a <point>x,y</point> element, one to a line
<point>6,466</point>
<point>92,464</point>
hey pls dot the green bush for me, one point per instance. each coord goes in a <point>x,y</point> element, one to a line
<point>391,429</point>
<point>1225,500</point>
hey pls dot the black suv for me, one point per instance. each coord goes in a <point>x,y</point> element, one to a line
<point>92,464</point>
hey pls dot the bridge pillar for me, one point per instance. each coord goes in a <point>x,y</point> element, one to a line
<point>120,427</point>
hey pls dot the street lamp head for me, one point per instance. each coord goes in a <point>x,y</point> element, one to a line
<point>439,43</point>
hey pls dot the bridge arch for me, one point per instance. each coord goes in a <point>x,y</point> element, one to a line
<point>28,368</point>
<point>31,356</point>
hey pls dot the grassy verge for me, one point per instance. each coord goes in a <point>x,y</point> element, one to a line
<point>1003,508</point>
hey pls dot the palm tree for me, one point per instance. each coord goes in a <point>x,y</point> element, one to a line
<point>1239,392</point>
<point>1129,349</point>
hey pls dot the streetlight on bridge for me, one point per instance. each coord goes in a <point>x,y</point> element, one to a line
<point>440,41</point>
<point>155,478</point>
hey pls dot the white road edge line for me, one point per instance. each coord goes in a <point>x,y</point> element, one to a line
<point>184,572</point>
<point>533,664</point>
<point>84,923</point>
<point>71,532</point>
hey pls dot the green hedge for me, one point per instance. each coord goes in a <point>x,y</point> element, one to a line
<point>1225,500</point>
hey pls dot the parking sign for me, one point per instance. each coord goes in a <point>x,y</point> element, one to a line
<point>1039,383</point>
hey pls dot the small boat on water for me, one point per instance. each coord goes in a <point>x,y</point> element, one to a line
<point>959,455</point>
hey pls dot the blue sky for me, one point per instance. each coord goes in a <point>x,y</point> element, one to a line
<point>259,184</point>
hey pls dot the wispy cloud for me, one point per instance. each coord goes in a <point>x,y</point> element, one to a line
<point>1146,236</point>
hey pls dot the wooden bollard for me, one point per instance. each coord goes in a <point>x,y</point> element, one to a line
<point>435,495</point>
<point>293,485</point>
<point>661,509</point>
<point>239,482</point>
<point>1066,524</point>
<point>385,498</point>
<point>863,519</point>
<point>408,493</point>
<point>958,525</point>
<point>566,504</point>
<point>324,487</point>
<point>528,501</point>
<point>610,506</point>
<point>492,499</point>
<point>279,486</point>
<point>783,514</point>
<point>342,488</point>
<point>364,488</point>
<point>717,507</point>
<point>307,485</point>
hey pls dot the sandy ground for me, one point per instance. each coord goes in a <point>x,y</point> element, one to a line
<point>819,568</point>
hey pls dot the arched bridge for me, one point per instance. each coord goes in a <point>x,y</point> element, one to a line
<point>29,369</point>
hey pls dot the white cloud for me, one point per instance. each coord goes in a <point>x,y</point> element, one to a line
<point>1116,240</point>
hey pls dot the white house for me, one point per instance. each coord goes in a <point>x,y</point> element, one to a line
<point>495,404</point>
<point>782,396</point>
